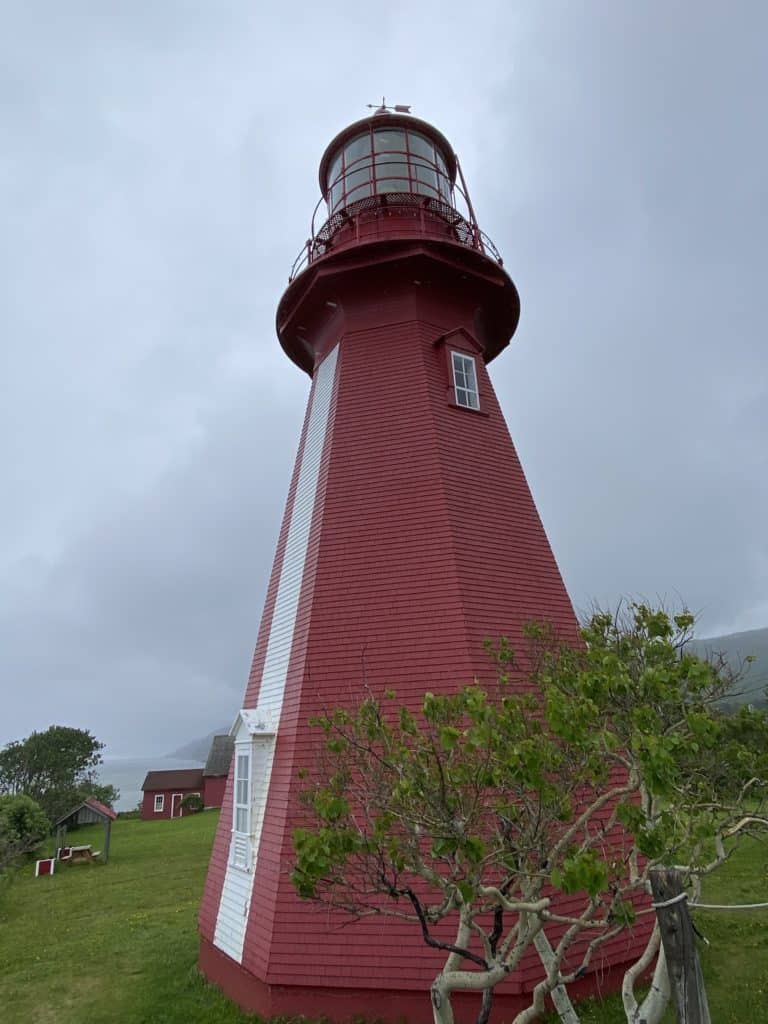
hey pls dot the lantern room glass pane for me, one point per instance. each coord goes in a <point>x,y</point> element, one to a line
<point>357,179</point>
<point>336,186</point>
<point>392,173</point>
<point>443,181</point>
<point>421,146</point>
<point>387,160</point>
<point>389,140</point>
<point>425,178</point>
<point>391,161</point>
<point>358,183</point>
<point>357,148</point>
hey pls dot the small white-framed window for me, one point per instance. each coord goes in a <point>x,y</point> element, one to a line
<point>159,802</point>
<point>241,824</point>
<point>465,381</point>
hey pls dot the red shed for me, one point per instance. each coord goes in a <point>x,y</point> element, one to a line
<point>409,536</point>
<point>164,791</point>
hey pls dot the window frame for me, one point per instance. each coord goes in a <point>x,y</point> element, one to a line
<point>241,809</point>
<point>159,799</point>
<point>466,395</point>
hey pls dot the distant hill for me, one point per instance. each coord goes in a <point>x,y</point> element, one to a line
<point>197,750</point>
<point>736,647</point>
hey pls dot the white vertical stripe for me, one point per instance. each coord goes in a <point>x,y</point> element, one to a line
<point>292,572</point>
<point>232,916</point>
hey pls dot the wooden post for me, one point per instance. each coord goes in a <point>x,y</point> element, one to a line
<point>107,833</point>
<point>685,978</point>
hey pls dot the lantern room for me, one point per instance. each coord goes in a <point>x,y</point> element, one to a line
<point>387,154</point>
<point>394,205</point>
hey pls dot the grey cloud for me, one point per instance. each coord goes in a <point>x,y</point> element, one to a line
<point>158,174</point>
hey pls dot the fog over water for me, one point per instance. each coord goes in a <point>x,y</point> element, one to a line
<point>128,774</point>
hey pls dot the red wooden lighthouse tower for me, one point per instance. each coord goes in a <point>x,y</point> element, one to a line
<point>409,536</point>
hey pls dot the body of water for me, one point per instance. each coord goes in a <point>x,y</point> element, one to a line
<point>128,773</point>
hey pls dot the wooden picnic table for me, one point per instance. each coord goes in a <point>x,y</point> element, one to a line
<point>80,853</point>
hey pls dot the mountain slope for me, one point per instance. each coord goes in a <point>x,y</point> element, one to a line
<point>737,647</point>
<point>197,750</point>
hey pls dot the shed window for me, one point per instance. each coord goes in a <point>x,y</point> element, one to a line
<point>159,802</point>
<point>465,381</point>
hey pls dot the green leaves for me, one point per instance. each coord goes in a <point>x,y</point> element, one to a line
<point>23,824</point>
<point>477,792</point>
<point>57,768</point>
<point>320,856</point>
<point>581,872</point>
<point>449,736</point>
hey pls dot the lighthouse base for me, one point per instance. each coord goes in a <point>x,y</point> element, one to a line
<point>388,1006</point>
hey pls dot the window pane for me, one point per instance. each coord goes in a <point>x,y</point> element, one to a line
<point>392,174</point>
<point>426,179</point>
<point>357,183</point>
<point>242,766</point>
<point>419,146</point>
<point>241,819</point>
<point>389,140</point>
<point>335,185</point>
<point>335,170</point>
<point>361,146</point>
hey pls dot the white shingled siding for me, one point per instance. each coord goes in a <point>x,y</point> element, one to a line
<point>235,900</point>
<point>289,588</point>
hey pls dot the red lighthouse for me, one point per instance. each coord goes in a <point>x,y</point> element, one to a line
<point>409,536</point>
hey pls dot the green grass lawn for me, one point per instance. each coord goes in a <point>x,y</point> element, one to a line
<point>118,943</point>
<point>96,944</point>
<point>735,964</point>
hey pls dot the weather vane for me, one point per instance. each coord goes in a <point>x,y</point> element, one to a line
<point>399,108</point>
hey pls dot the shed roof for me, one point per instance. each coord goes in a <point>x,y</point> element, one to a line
<point>101,808</point>
<point>180,778</point>
<point>92,804</point>
<point>219,756</point>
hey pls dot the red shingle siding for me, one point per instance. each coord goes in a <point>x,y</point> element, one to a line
<point>425,541</point>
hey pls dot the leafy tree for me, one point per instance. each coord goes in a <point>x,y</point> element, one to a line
<point>703,773</point>
<point>23,826</point>
<point>560,787</point>
<point>192,802</point>
<point>472,812</point>
<point>57,768</point>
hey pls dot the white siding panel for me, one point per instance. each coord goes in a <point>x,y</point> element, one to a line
<point>235,900</point>
<point>292,572</point>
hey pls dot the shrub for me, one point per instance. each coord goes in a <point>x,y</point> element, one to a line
<point>23,826</point>
<point>193,803</point>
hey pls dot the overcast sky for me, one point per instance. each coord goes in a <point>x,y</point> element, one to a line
<point>158,171</point>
